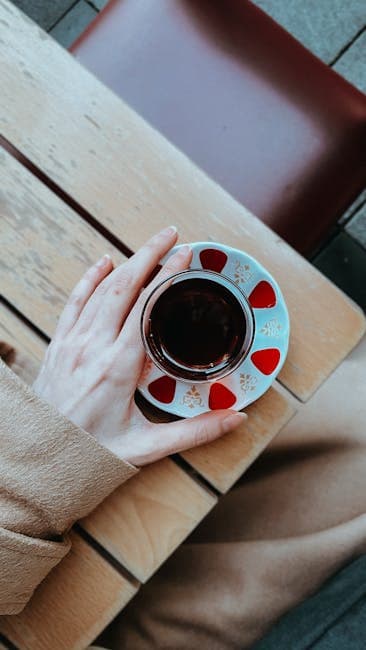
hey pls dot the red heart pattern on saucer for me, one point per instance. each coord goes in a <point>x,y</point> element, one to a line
<point>163,389</point>
<point>263,296</point>
<point>265,359</point>
<point>213,259</point>
<point>220,397</point>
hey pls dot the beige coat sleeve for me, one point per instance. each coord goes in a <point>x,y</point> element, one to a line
<point>51,474</point>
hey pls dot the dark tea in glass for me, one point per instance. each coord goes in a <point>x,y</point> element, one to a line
<point>197,325</point>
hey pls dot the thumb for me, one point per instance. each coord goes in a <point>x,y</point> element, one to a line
<point>191,432</point>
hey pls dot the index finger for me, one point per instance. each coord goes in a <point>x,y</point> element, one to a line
<point>110,304</point>
<point>130,336</point>
<point>81,294</point>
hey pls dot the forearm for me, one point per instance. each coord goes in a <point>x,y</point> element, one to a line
<point>52,473</point>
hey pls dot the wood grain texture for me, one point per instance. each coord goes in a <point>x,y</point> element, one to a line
<point>27,347</point>
<point>149,516</point>
<point>45,246</point>
<point>143,521</point>
<point>18,334</point>
<point>133,181</point>
<point>222,462</point>
<point>72,605</point>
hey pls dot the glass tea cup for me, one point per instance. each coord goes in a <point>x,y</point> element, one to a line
<point>197,325</point>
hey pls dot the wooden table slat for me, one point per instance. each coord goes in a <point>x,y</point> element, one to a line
<point>133,181</point>
<point>223,462</point>
<point>46,246</point>
<point>28,347</point>
<point>144,521</point>
<point>72,605</point>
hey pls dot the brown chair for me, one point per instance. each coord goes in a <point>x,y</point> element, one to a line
<point>242,98</point>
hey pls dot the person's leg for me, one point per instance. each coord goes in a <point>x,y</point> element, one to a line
<point>292,521</point>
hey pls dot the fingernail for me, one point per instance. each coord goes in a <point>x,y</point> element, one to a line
<point>184,250</point>
<point>233,420</point>
<point>103,260</point>
<point>171,230</point>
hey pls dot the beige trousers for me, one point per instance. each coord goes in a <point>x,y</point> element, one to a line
<point>294,519</point>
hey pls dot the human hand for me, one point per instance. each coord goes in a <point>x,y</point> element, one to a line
<point>92,366</point>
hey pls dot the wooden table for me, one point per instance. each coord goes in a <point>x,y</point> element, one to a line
<point>90,177</point>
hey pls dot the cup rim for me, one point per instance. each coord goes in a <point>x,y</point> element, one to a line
<point>194,375</point>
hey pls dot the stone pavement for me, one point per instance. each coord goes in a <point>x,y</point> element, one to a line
<point>335,31</point>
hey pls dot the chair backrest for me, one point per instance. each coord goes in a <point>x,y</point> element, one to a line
<point>241,97</point>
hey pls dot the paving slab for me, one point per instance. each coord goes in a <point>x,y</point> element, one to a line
<point>323,26</point>
<point>352,63</point>
<point>357,226</point>
<point>73,23</point>
<point>353,208</point>
<point>99,4</point>
<point>44,12</point>
<point>344,262</point>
